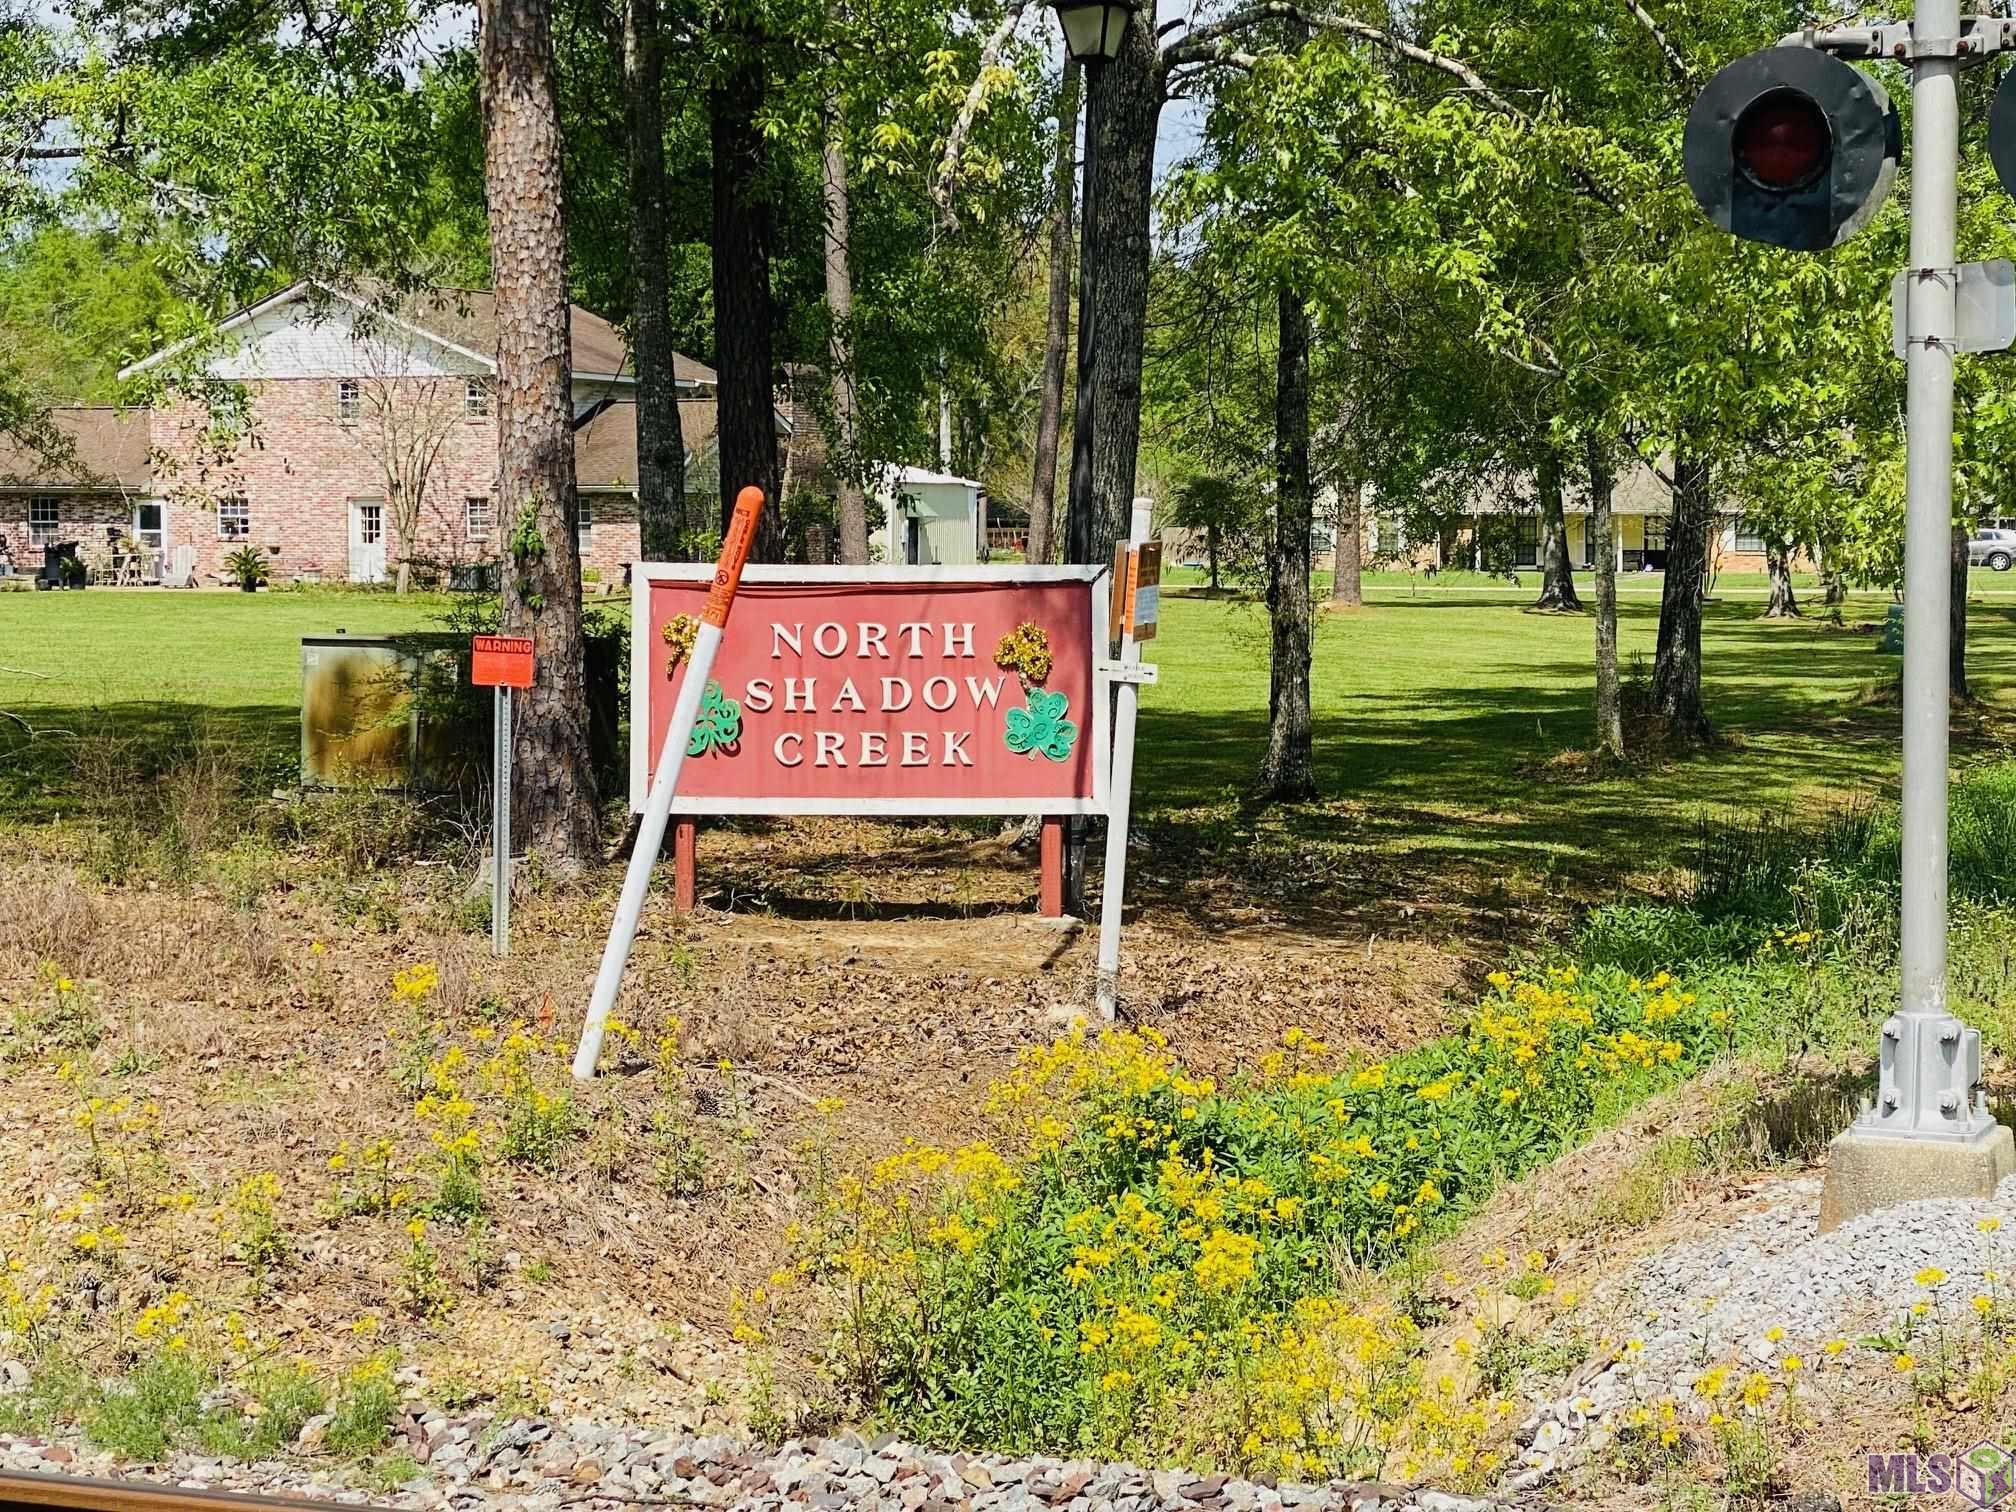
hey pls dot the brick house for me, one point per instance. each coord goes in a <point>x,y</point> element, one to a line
<point>329,413</point>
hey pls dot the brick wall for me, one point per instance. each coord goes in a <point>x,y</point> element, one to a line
<point>80,517</point>
<point>299,467</point>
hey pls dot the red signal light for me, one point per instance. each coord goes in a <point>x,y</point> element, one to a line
<point>1782,140</point>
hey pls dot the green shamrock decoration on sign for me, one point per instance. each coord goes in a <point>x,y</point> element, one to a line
<point>719,725</point>
<point>1041,729</point>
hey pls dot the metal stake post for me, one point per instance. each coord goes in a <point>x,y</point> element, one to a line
<point>500,827</point>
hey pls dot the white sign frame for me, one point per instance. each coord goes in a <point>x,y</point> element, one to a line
<point>644,641</point>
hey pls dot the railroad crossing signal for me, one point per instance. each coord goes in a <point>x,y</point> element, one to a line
<point>1792,147</point>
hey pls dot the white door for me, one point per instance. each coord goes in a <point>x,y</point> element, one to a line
<point>367,541</point>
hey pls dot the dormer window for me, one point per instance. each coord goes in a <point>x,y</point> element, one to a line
<point>349,401</point>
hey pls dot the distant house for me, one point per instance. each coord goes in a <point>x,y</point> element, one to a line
<point>1503,529</point>
<point>333,385</point>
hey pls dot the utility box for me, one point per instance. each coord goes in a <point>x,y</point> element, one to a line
<point>1892,643</point>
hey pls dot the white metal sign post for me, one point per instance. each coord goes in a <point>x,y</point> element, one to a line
<point>500,827</point>
<point>658,803</point>
<point>501,663</point>
<point>1138,600</point>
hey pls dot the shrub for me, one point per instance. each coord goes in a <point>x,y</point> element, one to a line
<point>1146,1272</point>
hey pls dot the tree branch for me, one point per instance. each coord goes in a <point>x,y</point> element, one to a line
<point>1675,64</point>
<point>955,140</point>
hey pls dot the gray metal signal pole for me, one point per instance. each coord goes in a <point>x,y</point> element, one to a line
<point>1928,1132</point>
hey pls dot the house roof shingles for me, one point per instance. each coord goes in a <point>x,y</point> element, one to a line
<point>94,449</point>
<point>605,449</point>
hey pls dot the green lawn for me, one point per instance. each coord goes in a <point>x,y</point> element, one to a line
<point>1447,721</point>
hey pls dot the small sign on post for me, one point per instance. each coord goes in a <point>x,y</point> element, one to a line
<point>502,662</point>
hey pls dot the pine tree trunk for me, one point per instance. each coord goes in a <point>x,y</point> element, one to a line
<point>536,506</point>
<point>1557,574</point>
<point>1130,100</point>
<point>853,506</point>
<point>1057,323</point>
<point>1347,564</point>
<point>1778,563</point>
<point>1956,654</point>
<point>1288,769</point>
<point>1603,528</point>
<point>742,315</point>
<point>661,449</point>
<point>1676,669</point>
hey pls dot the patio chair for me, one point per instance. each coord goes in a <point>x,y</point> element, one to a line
<point>179,570</point>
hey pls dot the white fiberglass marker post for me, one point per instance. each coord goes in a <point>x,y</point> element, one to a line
<point>658,802</point>
<point>1127,699</point>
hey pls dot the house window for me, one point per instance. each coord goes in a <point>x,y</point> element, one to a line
<point>1749,539</point>
<point>1589,541</point>
<point>584,517</point>
<point>1526,541</point>
<point>476,513</point>
<point>1386,536</point>
<point>349,400</point>
<point>234,518</point>
<point>45,519</point>
<point>476,399</point>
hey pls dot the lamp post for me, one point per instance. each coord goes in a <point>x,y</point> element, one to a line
<point>1093,30</point>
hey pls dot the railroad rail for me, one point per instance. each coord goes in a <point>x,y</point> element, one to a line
<point>23,1492</point>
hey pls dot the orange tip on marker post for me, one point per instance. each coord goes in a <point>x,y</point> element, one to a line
<point>734,554</point>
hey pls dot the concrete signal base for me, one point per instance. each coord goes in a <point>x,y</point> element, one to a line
<point>1869,1171</point>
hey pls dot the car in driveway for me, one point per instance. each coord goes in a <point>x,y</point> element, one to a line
<point>1992,548</point>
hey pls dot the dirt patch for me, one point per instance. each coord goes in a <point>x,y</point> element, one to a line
<point>898,969</point>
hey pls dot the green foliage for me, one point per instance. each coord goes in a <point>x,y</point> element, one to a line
<point>360,1419</point>
<point>141,1418</point>
<point>1156,1232</point>
<point>246,566</point>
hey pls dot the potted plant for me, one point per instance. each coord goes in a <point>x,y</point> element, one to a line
<point>247,566</point>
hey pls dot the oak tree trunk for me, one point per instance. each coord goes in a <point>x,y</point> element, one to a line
<point>1347,568</point>
<point>1603,529</point>
<point>851,502</point>
<point>1956,654</point>
<point>1778,563</point>
<point>536,506</point>
<point>742,351</point>
<point>1288,769</point>
<point>661,449</point>
<point>1557,574</point>
<point>1057,322</point>
<point>1676,669</point>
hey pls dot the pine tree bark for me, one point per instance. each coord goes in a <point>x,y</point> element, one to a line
<point>1557,573</point>
<point>554,804</point>
<point>1956,653</point>
<point>1287,771</point>
<point>742,314</point>
<point>1057,322</point>
<point>1676,668</point>
<point>1603,528</point>
<point>1347,553</point>
<point>1778,563</point>
<point>1123,161</point>
<point>661,449</point>
<point>849,498</point>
